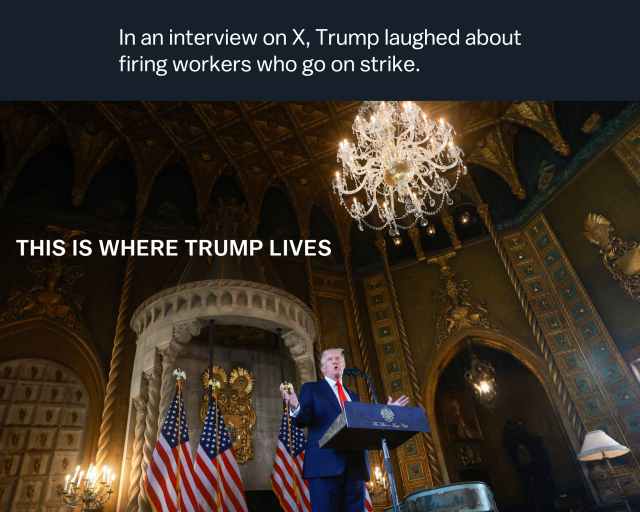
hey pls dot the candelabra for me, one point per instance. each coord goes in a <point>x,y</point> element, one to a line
<point>378,486</point>
<point>88,492</point>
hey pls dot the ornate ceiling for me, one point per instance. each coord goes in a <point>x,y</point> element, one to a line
<point>294,143</point>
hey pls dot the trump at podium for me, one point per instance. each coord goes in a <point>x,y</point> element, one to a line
<point>336,477</point>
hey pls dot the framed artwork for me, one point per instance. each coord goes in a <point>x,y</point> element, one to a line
<point>460,416</point>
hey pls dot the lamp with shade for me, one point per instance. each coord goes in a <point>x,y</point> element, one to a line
<point>599,446</point>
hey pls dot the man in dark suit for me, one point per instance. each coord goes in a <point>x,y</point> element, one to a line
<point>336,477</point>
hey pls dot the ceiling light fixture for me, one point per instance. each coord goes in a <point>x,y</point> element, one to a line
<point>398,165</point>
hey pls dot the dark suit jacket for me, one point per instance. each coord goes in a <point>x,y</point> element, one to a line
<point>319,406</point>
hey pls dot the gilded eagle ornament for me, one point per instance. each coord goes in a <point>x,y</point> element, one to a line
<point>237,410</point>
<point>621,258</point>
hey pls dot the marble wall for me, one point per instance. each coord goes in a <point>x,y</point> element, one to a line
<point>265,366</point>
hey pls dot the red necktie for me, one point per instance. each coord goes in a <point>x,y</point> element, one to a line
<point>343,397</point>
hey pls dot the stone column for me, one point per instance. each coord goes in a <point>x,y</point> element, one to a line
<point>153,376</point>
<point>136,459</point>
<point>169,352</point>
<point>305,367</point>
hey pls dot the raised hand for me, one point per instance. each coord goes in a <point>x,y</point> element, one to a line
<point>289,396</point>
<point>400,402</point>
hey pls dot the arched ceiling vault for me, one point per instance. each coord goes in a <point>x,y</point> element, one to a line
<point>260,142</point>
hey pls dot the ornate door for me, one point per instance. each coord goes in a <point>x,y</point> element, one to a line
<point>44,409</point>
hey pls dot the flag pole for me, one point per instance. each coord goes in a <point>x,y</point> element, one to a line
<point>179,428</point>
<point>214,396</point>
<point>286,407</point>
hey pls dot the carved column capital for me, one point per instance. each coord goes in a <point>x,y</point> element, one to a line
<point>483,210</point>
<point>140,404</point>
<point>295,343</point>
<point>153,376</point>
<point>183,332</point>
<point>169,351</point>
<point>381,244</point>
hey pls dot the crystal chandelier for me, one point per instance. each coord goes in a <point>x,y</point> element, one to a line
<point>481,376</point>
<point>397,166</point>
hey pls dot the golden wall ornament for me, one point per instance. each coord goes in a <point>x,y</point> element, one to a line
<point>49,293</point>
<point>237,410</point>
<point>621,258</point>
<point>470,455</point>
<point>459,309</point>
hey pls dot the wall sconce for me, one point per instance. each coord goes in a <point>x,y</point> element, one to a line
<point>431,230</point>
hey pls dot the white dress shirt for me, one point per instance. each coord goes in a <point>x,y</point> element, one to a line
<point>332,383</point>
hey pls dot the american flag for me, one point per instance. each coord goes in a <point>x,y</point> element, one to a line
<point>163,484</point>
<point>226,483</point>
<point>368,506</point>
<point>281,474</point>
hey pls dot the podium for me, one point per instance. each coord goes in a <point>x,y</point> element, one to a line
<point>362,426</point>
<point>372,426</point>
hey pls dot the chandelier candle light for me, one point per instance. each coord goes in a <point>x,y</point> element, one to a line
<point>90,491</point>
<point>397,166</point>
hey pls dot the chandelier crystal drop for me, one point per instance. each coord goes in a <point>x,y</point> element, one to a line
<point>398,166</point>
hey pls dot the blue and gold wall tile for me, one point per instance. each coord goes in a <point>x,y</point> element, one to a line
<point>551,258</point>
<point>377,299</point>
<point>572,363</point>
<point>392,367</point>
<point>410,448</point>
<point>553,323</point>
<point>569,292</point>
<point>521,255</point>
<point>562,342</point>
<point>633,421</point>
<point>589,330</point>
<point>384,331</point>
<point>415,471</point>
<point>381,315</point>
<point>624,396</point>
<point>528,271</point>
<point>600,351</point>
<point>611,373</point>
<point>543,242</point>
<point>396,386</point>
<point>561,274</point>
<point>536,229</point>
<point>592,407</point>
<point>581,384</point>
<point>536,287</point>
<point>579,310</point>
<point>388,348</point>
<point>544,304</point>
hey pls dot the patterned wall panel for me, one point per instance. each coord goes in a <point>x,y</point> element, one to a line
<point>412,455</point>
<point>628,152</point>
<point>44,410</point>
<point>599,381</point>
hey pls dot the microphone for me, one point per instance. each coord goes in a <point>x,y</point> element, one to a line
<point>351,372</point>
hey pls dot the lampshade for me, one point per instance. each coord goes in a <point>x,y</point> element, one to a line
<point>597,445</point>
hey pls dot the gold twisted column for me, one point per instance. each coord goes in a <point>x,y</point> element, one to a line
<point>136,459</point>
<point>313,302</point>
<point>118,346</point>
<point>169,353</point>
<point>153,376</point>
<point>357,319</point>
<point>554,371</point>
<point>434,467</point>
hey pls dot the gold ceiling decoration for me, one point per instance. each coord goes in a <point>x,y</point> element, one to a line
<point>621,258</point>
<point>293,143</point>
